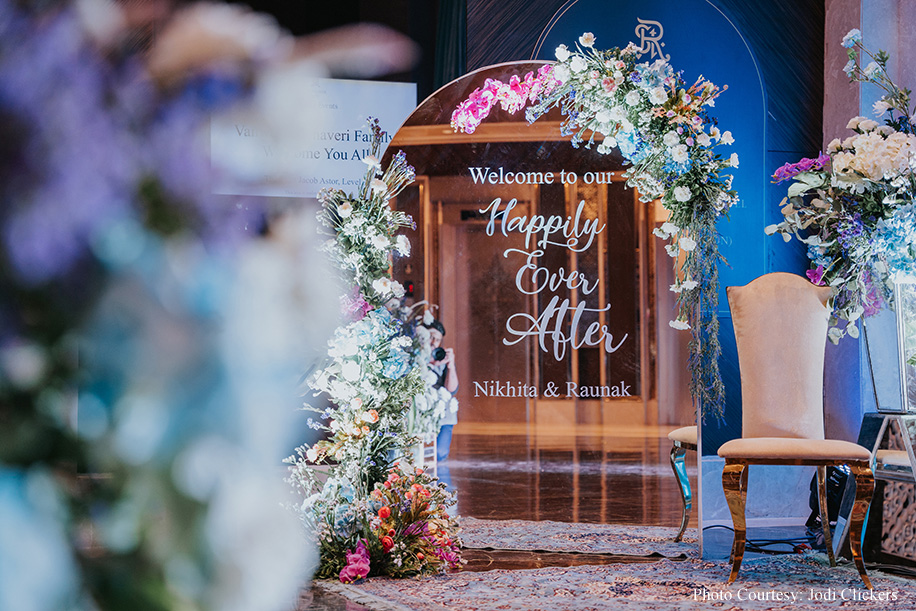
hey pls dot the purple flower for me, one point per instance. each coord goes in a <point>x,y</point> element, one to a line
<point>356,306</point>
<point>816,275</point>
<point>791,170</point>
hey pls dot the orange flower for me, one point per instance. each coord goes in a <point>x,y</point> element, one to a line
<point>373,415</point>
<point>384,512</point>
<point>387,543</point>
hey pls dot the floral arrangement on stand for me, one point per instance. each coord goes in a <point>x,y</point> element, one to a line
<point>853,205</point>
<point>369,516</point>
<point>663,129</point>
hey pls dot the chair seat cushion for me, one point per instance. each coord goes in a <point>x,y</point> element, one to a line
<point>685,434</point>
<point>789,448</point>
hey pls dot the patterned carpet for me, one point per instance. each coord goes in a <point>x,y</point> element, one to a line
<point>769,583</point>
<point>576,537</point>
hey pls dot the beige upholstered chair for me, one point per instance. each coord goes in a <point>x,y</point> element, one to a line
<point>683,440</point>
<point>780,325</point>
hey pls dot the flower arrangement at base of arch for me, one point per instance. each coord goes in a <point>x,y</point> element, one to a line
<point>371,378</point>
<point>662,127</point>
<point>853,206</point>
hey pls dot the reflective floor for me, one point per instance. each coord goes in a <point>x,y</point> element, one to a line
<point>573,474</point>
<point>568,475</point>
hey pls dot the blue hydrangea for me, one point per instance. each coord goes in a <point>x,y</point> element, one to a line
<point>397,365</point>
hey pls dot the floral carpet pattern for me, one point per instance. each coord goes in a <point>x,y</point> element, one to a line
<point>576,537</point>
<point>767,583</point>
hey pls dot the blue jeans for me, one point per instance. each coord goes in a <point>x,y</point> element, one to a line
<point>443,441</point>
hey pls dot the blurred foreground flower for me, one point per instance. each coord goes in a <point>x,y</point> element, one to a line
<point>150,338</point>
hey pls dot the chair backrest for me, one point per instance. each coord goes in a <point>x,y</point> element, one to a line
<point>780,325</point>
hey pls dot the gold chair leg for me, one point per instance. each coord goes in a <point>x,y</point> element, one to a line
<point>679,466</point>
<point>734,484</point>
<point>825,513</point>
<point>865,487</point>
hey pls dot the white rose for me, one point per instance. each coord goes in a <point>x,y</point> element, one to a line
<point>403,245</point>
<point>733,160</point>
<point>686,244</point>
<point>679,324</point>
<point>854,122</point>
<point>578,64</point>
<point>682,194</point>
<point>562,53</point>
<point>345,209</point>
<point>658,95</point>
<point>382,286</point>
<point>587,39</point>
<point>632,98</point>
<point>867,125</point>
<point>561,73</point>
<point>704,139</point>
<point>727,138</point>
<point>380,242</point>
<point>671,138</point>
<point>679,153</point>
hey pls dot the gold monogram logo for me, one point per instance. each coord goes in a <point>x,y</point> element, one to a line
<point>650,39</point>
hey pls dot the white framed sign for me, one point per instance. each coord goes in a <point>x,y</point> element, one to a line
<point>307,143</point>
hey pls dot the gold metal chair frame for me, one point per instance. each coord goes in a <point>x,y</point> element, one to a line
<point>679,466</point>
<point>734,483</point>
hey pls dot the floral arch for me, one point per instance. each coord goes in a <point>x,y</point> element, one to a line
<point>663,129</point>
